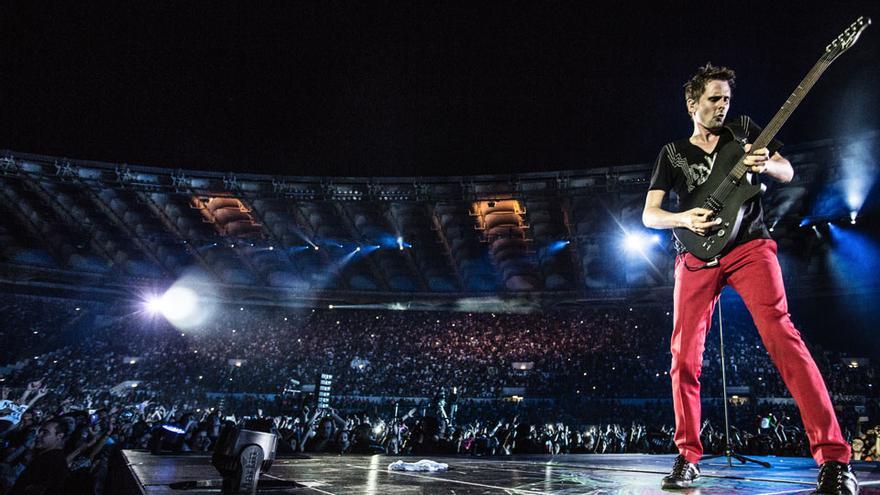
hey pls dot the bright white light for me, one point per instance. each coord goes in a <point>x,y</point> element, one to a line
<point>178,304</point>
<point>638,242</point>
<point>859,169</point>
<point>154,305</point>
<point>632,242</point>
<point>852,217</point>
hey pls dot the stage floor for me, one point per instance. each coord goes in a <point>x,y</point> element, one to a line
<point>526,475</point>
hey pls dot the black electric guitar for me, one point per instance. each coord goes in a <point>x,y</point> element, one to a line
<point>726,190</point>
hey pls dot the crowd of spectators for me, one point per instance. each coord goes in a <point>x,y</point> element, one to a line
<point>82,380</point>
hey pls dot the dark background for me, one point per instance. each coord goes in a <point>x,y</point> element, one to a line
<point>410,88</point>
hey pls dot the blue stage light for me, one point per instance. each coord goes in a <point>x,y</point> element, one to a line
<point>854,258</point>
<point>174,429</point>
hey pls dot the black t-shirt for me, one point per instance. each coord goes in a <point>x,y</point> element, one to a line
<point>682,167</point>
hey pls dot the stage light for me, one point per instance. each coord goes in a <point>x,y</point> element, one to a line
<point>271,248</point>
<point>638,241</point>
<point>804,222</point>
<point>153,305</point>
<point>357,249</point>
<point>632,242</point>
<point>557,246</point>
<point>852,217</point>
<point>853,259</point>
<point>178,304</point>
<point>859,170</point>
<point>174,429</point>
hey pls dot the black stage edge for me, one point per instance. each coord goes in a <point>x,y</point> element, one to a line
<point>140,473</point>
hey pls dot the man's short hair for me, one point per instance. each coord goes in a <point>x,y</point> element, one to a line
<point>696,85</point>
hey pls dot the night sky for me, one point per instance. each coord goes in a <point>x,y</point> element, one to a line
<point>410,88</point>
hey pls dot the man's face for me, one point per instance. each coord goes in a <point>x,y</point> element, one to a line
<point>48,437</point>
<point>709,112</point>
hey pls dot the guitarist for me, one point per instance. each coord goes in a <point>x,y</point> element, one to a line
<point>750,267</point>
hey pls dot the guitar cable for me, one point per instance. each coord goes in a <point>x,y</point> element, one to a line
<point>709,264</point>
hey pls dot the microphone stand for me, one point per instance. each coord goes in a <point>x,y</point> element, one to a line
<point>729,453</point>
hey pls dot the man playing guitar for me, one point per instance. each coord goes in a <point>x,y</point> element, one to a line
<point>750,266</point>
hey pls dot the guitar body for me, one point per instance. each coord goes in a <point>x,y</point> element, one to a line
<point>720,239</point>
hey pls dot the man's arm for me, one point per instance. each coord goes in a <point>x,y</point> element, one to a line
<point>654,216</point>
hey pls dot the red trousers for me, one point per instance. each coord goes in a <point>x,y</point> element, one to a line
<point>753,271</point>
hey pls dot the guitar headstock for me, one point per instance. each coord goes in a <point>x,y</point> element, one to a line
<point>847,38</point>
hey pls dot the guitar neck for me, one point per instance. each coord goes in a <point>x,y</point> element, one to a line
<point>842,43</point>
<point>785,112</point>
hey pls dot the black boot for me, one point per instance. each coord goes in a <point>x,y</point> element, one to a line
<point>683,474</point>
<point>837,478</point>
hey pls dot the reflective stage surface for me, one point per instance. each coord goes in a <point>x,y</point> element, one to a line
<point>527,475</point>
